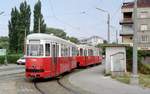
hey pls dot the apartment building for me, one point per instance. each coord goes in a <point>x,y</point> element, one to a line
<point>143,22</point>
<point>94,40</point>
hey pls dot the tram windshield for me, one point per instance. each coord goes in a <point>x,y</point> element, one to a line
<point>35,50</point>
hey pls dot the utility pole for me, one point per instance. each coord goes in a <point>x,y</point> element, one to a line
<point>117,36</point>
<point>39,26</point>
<point>108,36</point>
<point>25,34</point>
<point>108,23</point>
<point>134,77</point>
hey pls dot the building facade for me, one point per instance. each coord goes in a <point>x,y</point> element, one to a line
<point>94,40</point>
<point>143,22</point>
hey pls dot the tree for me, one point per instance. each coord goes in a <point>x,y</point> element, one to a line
<point>73,39</point>
<point>13,30</point>
<point>19,25</point>
<point>4,42</point>
<point>60,33</point>
<point>38,18</point>
<point>24,24</point>
<point>57,32</point>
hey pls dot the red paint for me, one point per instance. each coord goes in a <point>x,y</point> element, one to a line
<point>50,69</point>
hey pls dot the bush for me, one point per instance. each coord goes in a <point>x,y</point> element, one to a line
<point>142,68</point>
<point>2,58</point>
<point>11,58</point>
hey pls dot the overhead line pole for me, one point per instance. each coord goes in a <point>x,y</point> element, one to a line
<point>134,76</point>
<point>108,36</point>
<point>39,26</point>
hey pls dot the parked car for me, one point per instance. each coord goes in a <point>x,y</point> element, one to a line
<point>21,61</point>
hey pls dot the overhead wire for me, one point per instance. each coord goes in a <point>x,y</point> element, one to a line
<point>58,19</point>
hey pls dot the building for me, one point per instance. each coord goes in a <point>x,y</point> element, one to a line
<point>143,22</point>
<point>94,40</point>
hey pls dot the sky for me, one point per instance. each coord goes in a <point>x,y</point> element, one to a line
<point>78,18</point>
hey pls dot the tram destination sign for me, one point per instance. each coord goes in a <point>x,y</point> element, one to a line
<point>2,52</point>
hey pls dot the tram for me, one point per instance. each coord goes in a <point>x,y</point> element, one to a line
<point>88,55</point>
<point>49,56</point>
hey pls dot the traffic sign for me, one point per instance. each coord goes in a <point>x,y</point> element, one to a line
<point>2,52</point>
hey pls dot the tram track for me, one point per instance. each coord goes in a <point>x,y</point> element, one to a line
<point>38,89</point>
<point>58,80</point>
<point>65,87</point>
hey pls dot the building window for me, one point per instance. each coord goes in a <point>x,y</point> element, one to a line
<point>144,27</point>
<point>143,14</point>
<point>144,38</point>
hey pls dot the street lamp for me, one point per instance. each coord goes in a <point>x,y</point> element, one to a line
<point>108,22</point>
<point>134,77</point>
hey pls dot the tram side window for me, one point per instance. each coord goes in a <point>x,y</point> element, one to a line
<point>47,49</point>
<point>74,51</point>
<point>90,52</point>
<point>69,52</point>
<point>57,50</point>
<point>81,52</point>
<point>66,51</point>
<point>85,52</point>
<point>27,50</point>
<point>62,50</point>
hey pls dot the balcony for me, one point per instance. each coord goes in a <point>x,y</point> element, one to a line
<point>126,33</point>
<point>126,21</point>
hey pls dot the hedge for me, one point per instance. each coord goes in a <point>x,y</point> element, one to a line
<point>11,58</point>
<point>2,58</point>
<point>142,68</point>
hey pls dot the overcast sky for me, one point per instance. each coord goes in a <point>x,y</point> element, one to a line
<point>78,18</point>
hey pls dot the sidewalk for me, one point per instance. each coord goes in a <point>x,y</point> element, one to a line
<point>93,81</point>
<point>11,69</point>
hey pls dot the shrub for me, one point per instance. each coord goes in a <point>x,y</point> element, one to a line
<point>12,58</point>
<point>2,58</point>
<point>142,68</point>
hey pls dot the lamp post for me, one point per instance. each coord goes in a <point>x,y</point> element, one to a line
<point>108,23</point>
<point>116,32</point>
<point>134,77</point>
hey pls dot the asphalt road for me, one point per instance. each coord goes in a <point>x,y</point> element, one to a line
<point>18,84</point>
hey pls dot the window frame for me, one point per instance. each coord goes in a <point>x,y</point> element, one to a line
<point>144,27</point>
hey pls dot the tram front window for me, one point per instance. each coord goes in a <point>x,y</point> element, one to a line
<point>35,50</point>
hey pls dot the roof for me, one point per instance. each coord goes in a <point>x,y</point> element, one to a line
<point>115,45</point>
<point>86,46</point>
<point>141,4</point>
<point>48,37</point>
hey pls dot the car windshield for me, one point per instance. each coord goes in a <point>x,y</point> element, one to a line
<point>22,58</point>
<point>34,50</point>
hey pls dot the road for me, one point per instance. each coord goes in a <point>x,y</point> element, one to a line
<point>18,84</point>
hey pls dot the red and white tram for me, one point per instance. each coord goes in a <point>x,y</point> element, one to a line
<point>88,55</point>
<point>49,56</point>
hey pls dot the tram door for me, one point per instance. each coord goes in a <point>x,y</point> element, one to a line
<point>54,57</point>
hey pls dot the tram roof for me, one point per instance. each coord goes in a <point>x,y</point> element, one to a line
<point>42,36</point>
<point>86,46</point>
